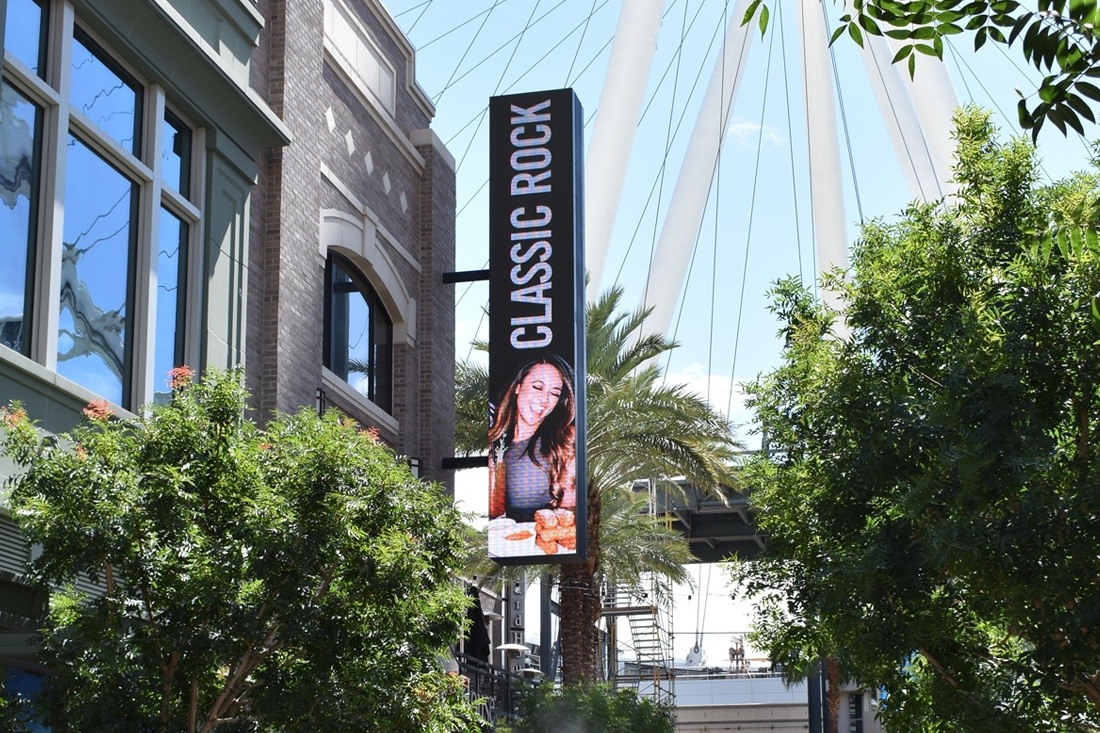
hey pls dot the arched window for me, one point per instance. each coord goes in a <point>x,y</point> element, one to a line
<point>358,333</point>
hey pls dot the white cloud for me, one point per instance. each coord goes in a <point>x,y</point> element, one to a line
<point>746,132</point>
<point>724,394</point>
<point>472,494</point>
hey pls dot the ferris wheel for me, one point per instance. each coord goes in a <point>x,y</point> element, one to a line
<point>719,160</point>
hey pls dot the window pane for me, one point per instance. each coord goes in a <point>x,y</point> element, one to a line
<point>104,94</point>
<point>351,323</point>
<point>23,33</point>
<point>171,275</point>
<point>20,122</point>
<point>360,336</point>
<point>383,357</point>
<point>176,153</point>
<point>95,274</point>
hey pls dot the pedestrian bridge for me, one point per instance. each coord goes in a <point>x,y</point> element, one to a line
<point>716,527</point>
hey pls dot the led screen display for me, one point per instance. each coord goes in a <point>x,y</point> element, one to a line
<point>537,501</point>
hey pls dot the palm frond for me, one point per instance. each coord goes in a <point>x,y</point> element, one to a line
<point>635,543</point>
<point>471,408</point>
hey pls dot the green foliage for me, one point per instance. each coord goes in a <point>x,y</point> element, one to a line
<point>589,709</point>
<point>1058,37</point>
<point>288,579</point>
<point>15,714</point>
<point>932,499</point>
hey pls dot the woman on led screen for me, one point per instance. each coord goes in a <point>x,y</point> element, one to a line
<point>532,440</point>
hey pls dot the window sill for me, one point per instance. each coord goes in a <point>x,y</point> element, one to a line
<point>358,406</point>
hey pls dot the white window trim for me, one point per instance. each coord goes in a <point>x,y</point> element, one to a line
<point>369,216</point>
<point>348,399</point>
<point>357,239</point>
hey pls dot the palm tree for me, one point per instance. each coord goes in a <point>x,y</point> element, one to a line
<point>638,428</point>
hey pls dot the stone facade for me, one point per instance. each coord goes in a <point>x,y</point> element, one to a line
<point>366,178</point>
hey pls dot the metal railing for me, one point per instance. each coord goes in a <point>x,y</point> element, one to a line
<point>496,689</point>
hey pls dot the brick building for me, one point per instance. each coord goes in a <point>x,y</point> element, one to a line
<point>219,183</point>
<point>362,201</point>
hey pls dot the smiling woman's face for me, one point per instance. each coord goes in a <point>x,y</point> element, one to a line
<point>536,397</point>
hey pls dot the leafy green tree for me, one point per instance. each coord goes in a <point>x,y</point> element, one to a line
<point>932,494</point>
<point>638,428</point>
<point>590,708</point>
<point>1058,37</point>
<point>296,578</point>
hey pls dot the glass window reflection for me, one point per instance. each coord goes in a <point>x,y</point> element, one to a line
<point>20,138</point>
<point>171,276</point>
<point>176,153</point>
<point>360,335</point>
<point>95,274</point>
<point>103,93</point>
<point>23,33</point>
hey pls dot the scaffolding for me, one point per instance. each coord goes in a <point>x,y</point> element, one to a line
<point>648,614</point>
<point>647,609</point>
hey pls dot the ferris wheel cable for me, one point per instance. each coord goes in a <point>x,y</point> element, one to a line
<point>790,149</point>
<point>542,58</point>
<point>485,183</point>
<point>686,279</point>
<point>473,196</point>
<point>962,76</point>
<point>496,89</point>
<point>706,602</point>
<point>426,6</point>
<point>933,99</point>
<point>682,299</point>
<point>682,222</point>
<point>670,133</point>
<point>591,61</point>
<point>698,610</point>
<point>470,285</point>
<point>580,43</point>
<point>467,51</point>
<point>748,232</point>
<point>843,117</point>
<point>477,330</point>
<point>624,85</point>
<point>826,191</point>
<point>502,46</point>
<point>977,80</point>
<point>675,60</point>
<point>1023,72</point>
<point>664,160</point>
<point>717,218</point>
<point>410,9</point>
<point>454,28</point>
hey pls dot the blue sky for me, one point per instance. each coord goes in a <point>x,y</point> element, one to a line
<point>757,225</point>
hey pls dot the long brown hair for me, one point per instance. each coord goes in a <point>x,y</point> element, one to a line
<point>553,442</point>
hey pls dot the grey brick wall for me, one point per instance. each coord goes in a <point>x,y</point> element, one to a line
<point>437,315</point>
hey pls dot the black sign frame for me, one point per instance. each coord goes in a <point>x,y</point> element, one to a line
<point>536,329</point>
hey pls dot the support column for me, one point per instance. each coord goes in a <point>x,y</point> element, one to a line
<point>616,122</point>
<point>826,182</point>
<point>685,211</point>
<point>896,107</point>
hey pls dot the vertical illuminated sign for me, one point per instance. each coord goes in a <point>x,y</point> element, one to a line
<point>537,497</point>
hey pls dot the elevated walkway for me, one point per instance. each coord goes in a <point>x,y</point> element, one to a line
<point>715,530</point>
